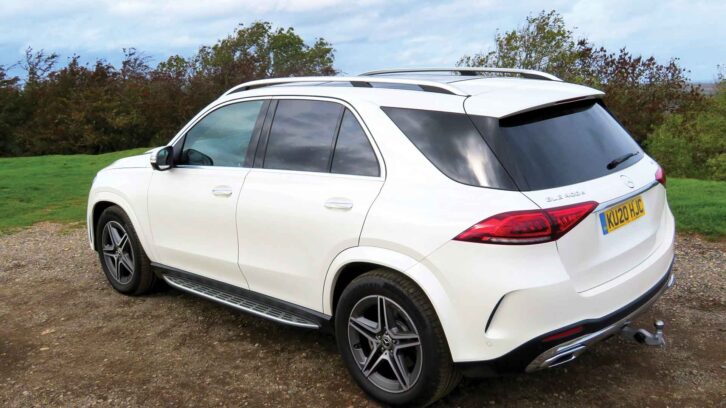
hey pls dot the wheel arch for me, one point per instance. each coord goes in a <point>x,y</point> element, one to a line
<point>102,201</point>
<point>356,261</point>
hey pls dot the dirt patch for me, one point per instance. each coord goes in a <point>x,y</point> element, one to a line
<point>67,339</point>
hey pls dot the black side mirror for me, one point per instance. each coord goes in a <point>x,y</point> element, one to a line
<point>163,158</point>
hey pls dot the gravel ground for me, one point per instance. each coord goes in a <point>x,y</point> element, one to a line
<point>67,339</point>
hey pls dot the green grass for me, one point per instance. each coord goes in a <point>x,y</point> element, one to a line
<point>54,188</point>
<point>699,206</point>
<point>48,188</point>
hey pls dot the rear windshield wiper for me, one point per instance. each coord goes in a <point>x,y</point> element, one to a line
<point>616,162</point>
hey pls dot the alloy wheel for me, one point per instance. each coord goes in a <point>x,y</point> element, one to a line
<point>118,254</point>
<point>385,343</point>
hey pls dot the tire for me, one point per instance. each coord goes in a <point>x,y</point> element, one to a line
<point>429,373</point>
<point>124,263</point>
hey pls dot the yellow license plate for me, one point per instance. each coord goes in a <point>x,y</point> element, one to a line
<point>622,214</point>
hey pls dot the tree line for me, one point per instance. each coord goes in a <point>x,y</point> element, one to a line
<point>101,108</point>
<point>96,108</point>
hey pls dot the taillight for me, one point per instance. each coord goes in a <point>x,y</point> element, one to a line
<point>528,227</point>
<point>660,176</point>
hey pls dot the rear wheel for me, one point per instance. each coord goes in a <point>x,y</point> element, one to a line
<point>392,342</point>
<point>123,260</point>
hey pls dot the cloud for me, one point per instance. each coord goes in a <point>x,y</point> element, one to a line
<point>367,34</point>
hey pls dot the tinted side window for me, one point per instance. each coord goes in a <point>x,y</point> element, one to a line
<point>302,134</point>
<point>452,144</point>
<point>353,152</point>
<point>222,137</point>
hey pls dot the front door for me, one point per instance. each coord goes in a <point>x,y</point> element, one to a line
<point>192,206</point>
<point>306,199</point>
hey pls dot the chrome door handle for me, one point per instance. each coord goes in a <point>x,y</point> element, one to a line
<point>222,191</point>
<point>339,204</point>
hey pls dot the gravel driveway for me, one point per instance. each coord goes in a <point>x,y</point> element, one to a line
<point>67,339</point>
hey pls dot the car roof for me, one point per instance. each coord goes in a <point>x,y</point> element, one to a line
<point>494,95</point>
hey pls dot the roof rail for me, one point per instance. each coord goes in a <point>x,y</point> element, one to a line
<point>525,73</point>
<point>427,86</point>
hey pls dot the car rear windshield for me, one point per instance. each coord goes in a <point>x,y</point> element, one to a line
<point>542,149</point>
<point>560,145</point>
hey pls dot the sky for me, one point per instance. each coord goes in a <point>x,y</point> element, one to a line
<point>366,34</point>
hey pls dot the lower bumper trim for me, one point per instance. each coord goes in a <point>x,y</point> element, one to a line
<point>537,355</point>
<point>568,351</point>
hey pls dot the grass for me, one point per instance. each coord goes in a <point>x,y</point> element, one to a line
<point>48,188</point>
<point>699,206</point>
<point>54,188</point>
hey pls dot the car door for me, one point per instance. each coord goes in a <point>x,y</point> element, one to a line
<point>316,175</point>
<point>192,206</point>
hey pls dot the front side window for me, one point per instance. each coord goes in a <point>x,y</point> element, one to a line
<point>222,137</point>
<point>353,152</point>
<point>302,135</point>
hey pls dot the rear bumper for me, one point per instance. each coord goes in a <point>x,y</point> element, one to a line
<point>538,354</point>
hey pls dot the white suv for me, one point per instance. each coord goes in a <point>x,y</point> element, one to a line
<point>441,221</point>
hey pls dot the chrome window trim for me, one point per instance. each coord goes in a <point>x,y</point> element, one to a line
<point>212,107</point>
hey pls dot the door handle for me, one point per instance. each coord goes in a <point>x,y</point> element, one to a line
<point>222,191</point>
<point>339,204</point>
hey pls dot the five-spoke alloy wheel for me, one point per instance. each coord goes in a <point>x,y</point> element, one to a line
<point>118,254</point>
<point>385,343</point>
<point>392,341</point>
<point>122,257</point>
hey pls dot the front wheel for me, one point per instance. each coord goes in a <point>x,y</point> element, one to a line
<point>123,260</point>
<point>392,342</point>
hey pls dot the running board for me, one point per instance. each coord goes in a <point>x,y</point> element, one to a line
<point>249,302</point>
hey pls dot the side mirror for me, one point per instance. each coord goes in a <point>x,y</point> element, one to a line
<point>163,158</point>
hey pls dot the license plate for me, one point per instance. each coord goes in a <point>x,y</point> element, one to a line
<point>622,214</point>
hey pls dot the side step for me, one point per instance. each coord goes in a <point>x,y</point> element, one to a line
<point>241,301</point>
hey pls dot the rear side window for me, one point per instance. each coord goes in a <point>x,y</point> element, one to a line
<point>222,137</point>
<point>302,135</point>
<point>353,152</point>
<point>451,142</point>
<point>558,146</point>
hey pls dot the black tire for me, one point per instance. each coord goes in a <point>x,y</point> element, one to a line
<point>134,282</point>
<point>437,375</point>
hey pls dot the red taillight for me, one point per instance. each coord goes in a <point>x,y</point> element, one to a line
<point>528,227</point>
<point>660,176</point>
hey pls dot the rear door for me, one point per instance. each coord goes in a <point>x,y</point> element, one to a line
<point>574,153</point>
<point>316,175</point>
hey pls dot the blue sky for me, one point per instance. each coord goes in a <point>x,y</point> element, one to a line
<point>367,34</point>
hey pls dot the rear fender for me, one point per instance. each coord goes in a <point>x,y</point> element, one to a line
<point>398,262</point>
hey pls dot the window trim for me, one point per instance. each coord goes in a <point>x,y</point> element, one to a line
<point>266,128</point>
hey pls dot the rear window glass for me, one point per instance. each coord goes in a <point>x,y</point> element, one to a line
<point>558,146</point>
<point>451,142</point>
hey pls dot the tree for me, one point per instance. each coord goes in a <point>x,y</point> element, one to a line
<point>99,108</point>
<point>10,111</point>
<point>544,43</point>
<point>694,147</point>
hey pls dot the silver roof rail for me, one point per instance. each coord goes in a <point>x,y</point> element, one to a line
<point>428,86</point>
<point>525,73</point>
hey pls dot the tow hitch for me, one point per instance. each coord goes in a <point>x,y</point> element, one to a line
<point>643,336</point>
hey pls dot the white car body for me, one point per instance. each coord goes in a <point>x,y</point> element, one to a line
<point>289,234</point>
